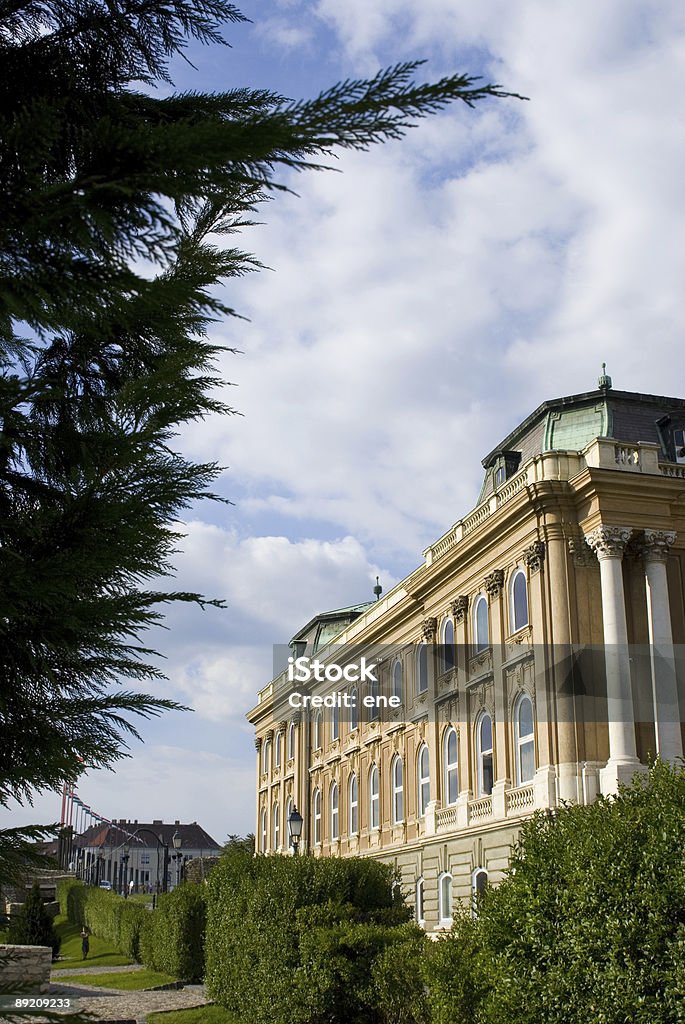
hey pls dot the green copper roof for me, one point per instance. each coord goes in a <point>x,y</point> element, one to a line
<point>571,429</point>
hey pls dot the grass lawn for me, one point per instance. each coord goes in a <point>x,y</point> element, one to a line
<point>123,980</point>
<point>201,1015</point>
<point>101,953</point>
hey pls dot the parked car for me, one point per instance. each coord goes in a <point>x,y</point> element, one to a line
<point>105,885</point>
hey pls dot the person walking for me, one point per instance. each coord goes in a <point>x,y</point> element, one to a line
<point>85,944</point>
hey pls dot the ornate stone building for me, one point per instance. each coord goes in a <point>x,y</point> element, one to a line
<point>536,656</point>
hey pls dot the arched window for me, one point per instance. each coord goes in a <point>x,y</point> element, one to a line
<point>525,741</point>
<point>481,624</point>
<point>374,808</point>
<point>354,804</point>
<point>451,766</point>
<point>484,748</point>
<point>518,600</point>
<point>335,808</point>
<point>266,756</point>
<point>397,679</point>
<point>374,710</point>
<point>262,844</point>
<point>445,899</point>
<point>354,710</point>
<point>291,741</point>
<point>286,820</point>
<point>316,801</point>
<point>418,903</point>
<point>277,751</point>
<point>277,827</point>
<point>448,646</point>
<point>335,722</point>
<point>424,780</point>
<point>318,730</point>
<point>422,668</point>
<point>397,779</point>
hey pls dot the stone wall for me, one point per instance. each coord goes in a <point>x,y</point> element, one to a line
<point>28,968</point>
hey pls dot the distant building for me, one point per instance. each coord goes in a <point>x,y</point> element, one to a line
<point>536,657</point>
<point>140,852</point>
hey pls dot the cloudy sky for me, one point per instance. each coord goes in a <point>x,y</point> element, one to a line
<point>420,303</point>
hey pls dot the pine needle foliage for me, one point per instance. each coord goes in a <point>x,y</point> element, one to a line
<point>115,210</point>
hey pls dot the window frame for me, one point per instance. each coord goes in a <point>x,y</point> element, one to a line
<point>514,625</point>
<point>419,901</point>
<point>523,741</point>
<point>316,817</point>
<point>276,822</point>
<point>423,780</point>
<point>450,767</point>
<point>263,828</point>
<point>481,753</point>
<point>318,731</point>
<point>397,680</point>
<point>353,804</point>
<point>374,798</point>
<point>354,709</point>
<point>397,789</point>
<point>291,742</point>
<point>334,816</point>
<point>421,656</point>
<point>266,757</point>
<point>448,663</point>
<point>277,750</point>
<point>479,644</point>
<point>335,723</point>
<point>286,820</point>
<point>445,885</point>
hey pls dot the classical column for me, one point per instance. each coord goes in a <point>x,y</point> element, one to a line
<point>258,830</point>
<point>669,744</point>
<point>608,542</point>
<point>562,705</point>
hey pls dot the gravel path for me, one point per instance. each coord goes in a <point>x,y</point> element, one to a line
<point>86,968</point>
<point>108,1004</point>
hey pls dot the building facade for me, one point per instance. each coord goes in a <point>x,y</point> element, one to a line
<point>139,855</point>
<point>534,657</point>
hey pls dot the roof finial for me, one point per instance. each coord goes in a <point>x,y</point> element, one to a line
<point>378,590</point>
<point>604,382</point>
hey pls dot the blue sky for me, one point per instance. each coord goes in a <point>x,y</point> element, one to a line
<point>420,303</point>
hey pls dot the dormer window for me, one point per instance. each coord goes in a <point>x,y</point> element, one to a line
<point>504,465</point>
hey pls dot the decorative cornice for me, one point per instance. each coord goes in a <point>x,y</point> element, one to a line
<point>460,606</point>
<point>257,743</point>
<point>534,555</point>
<point>429,627</point>
<point>494,582</point>
<point>296,717</point>
<point>609,541</point>
<point>282,726</point>
<point>656,544</point>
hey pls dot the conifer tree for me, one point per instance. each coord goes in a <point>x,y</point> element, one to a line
<point>33,925</point>
<point>115,210</point>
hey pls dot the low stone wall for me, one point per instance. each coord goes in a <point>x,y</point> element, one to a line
<point>28,969</point>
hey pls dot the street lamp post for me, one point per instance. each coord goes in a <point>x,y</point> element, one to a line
<point>295,822</point>
<point>177,855</point>
<point>124,869</point>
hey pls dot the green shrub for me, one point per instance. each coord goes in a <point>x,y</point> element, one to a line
<point>133,919</point>
<point>110,917</point>
<point>262,916</point>
<point>62,893</point>
<point>589,925</point>
<point>33,926</point>
<point>173,937</point>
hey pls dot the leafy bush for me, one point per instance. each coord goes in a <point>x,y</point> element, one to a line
<point>284,934</point>
<point>173,937</point>
<point>589,924</point>
<point>107,915</point>
<point>32,926</point>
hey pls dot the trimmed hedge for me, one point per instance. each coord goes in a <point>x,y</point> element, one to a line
<point>107,915</point>
<point>173,941</point>
<point>294,940</point>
